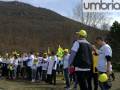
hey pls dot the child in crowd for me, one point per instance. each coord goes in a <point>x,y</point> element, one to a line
<point>72,75</point>
<point>44,69</point>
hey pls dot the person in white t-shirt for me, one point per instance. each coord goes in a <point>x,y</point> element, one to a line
<point>9,63</point>
<point>38,68</point>
<point>0,61</point>
<point>104,60</point>
<point>49,69</point>
<point>58,64</point>
<point>24,64</point>
<point>18,68</point>
<point>14,66</point>
<point>29,64</point>
<point>53,64</point>
<point>34,70</point>
<point>65,68</point>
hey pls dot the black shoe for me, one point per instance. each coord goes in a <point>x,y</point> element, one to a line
<point>54,84</point>
<point>50,83</point>
<point>75,88</point>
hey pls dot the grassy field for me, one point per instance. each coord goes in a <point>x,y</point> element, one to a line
<point>21,84</point>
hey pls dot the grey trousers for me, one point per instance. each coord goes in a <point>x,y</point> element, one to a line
<point>34,72</point>
<point>14,71</point>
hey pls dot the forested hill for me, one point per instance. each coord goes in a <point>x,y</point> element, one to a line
<point>26,28</point>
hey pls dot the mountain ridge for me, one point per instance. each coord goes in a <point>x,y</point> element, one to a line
<point>26,28</point>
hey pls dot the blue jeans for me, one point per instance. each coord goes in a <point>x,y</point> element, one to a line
<point>67,77</point>
<point>44,75</point>
<point>76,81</point>
<point>101,84</point>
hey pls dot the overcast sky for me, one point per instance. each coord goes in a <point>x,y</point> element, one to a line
<point>61,6</point>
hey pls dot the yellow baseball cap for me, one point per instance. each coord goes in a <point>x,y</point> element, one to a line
<point>18,54</point>
<point>66,50</point>
<point>103,77</point>
<point>45,54</point>
<point>7,54</point>
<point>82,32</point>
<point>35,58</point>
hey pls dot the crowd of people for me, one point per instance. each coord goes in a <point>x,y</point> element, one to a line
<point>84,64</point>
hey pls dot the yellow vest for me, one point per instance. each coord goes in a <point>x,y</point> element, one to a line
<point>95,59</point>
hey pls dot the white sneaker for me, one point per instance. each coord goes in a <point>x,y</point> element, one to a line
<point>4,78</point>
<point>32,80</point>
<point>43,82</point>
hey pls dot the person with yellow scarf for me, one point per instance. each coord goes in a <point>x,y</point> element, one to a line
<point>34,69</point>
<point>15,64</point>
<point>9,62</point>
<point>4,67</point>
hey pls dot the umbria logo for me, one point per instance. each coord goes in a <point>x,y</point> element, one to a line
<point>101,5</point>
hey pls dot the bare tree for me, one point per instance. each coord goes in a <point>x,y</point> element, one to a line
<point>94,19</point>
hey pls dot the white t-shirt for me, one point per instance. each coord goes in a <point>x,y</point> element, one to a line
<point>58,60</point>
<point>75,48</point>
<point>65,64</point>
<point>44,66</point>
<point>55,59</point>
<point>3,61</point>
<point>102,61</point>
<point>11,61</point>
<point>39,60</point>
<point>15,62</point>
<point>51,62</point>
<point>37,64</point>
<point>33,67</point>
<point>30,63</point>
<point>24,59</point>
<point>0,59</point>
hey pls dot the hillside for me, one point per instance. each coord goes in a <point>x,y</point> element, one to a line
<point>26,28</point>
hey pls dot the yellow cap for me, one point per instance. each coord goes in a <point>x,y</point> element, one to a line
<point>11,68</point>
<point>0,56</point>
<point>35,58</point>
<point>82,32</point>
<point>66,50</point>
<point>7,54</point>
<point>45,54</point>
<point>103,77</point>
<point>18,54</point>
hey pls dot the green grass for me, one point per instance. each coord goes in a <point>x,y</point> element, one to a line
<point>21,84</point>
